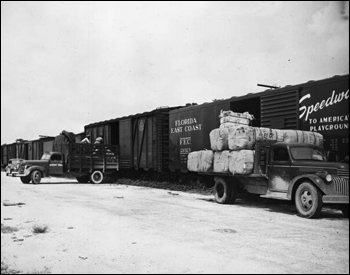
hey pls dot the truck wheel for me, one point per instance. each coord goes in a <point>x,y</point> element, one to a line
<point>224,191</point>
<point>345,209</point>
<point>96,177</point>
<point>83,179</point>
<point>308,200</point>
<point>234,191</point>
<point>36,176</point>
<point>26,179</point>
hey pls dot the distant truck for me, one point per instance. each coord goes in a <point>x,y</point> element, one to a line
<point>289,171</point>
<point>85,162</point>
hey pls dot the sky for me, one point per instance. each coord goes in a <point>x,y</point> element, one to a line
<point>65,64</point>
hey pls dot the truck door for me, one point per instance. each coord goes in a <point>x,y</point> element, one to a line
<point>56,164</point>
<point>279,171</point>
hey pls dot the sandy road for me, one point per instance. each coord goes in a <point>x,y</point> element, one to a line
<point>125,229</point>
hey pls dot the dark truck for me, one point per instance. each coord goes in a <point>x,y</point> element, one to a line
<point>85,162</point>
<point>290,171</point>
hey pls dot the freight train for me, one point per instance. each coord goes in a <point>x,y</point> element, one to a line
<point>160,140</point>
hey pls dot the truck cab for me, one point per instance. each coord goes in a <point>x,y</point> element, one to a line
<point>51,163</point>
<point>55,163</point>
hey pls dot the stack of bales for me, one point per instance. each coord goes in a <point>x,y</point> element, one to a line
<point>234,141</point>
<point>228,160</point>
<point>217,158</point>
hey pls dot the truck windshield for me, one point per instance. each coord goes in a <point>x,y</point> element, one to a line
<point>45,157</point>
<point>307,153</point>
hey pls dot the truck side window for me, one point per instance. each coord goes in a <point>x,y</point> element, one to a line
<point>56,158</point>
<point>280,154</point>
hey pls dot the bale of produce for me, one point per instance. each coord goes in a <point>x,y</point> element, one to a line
<point>230,118</point>
<point>265,134</point>
<point>200,161</point>
<point>245,137</point>
<point>234,114</point>
<point>241,162</point>
<point>241,137</point>
<point>221,162</point>
<point>218,139</point>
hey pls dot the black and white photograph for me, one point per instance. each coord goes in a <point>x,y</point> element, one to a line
<point>174,137</point>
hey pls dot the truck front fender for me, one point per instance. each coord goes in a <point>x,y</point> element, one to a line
<point>316,180</point>
<point>30,169</point>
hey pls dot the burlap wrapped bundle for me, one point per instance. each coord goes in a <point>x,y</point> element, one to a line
<point>241,162</point>
<point>266,134</point>
<point>241,137</point>
<point>218,139</point>
<point>221,162</point>
<point>229,120</point>
<point>234,114</point>
<point>200,161</point>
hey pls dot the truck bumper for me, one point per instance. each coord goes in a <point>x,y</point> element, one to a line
<point>16,174</point>
<point>336,199</point>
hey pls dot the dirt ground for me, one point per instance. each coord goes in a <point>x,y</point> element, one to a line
<point>118,228</point>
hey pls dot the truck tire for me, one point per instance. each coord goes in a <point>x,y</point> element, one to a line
<point>83,179</point>
<point>234,191</point>
<point>26,179</point>
<point>96,177</point>
<point>308,200</point>
<point>36,176</point>
<point>224,190</point>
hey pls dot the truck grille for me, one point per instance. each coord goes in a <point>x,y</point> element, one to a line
<point>21,169</point>
<point>344,173</point>
<point>341,186</point>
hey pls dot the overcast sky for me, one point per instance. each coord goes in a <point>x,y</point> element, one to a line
<point>68,64</point>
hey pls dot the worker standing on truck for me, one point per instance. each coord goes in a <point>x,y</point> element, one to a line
<point>99,140</point>
<point>86,139</point>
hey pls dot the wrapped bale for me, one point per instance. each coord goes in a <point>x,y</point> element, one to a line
<point>221,162</point>
<point>193,161</point>
<point>218,139</point>
<point>287,135</point>
<point>241,162</point>
<point>265,134</point>
<point>318,139</point>
<point>313,138</point>
<point>230,124</point>
<point>233,114</point>
<point>300,137</point>
<point>234,120</point>
<point>241,137</point>
<point>200,161</point>
<point>229,119</point>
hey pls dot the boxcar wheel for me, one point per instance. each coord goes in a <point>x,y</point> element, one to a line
<point>96,177</point>
<point>36,176</point>
<point>308,200</point>
<point>26,179</point>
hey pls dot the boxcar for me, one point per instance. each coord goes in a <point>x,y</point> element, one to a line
<point>142,139</point>
<point>321,106</point>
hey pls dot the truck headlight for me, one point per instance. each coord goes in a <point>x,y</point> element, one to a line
<point>329,178</point>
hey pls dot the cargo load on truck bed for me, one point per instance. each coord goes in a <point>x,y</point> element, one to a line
<point>234,141</point>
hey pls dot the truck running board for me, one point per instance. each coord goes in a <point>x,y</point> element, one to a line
<point>275,195</point>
